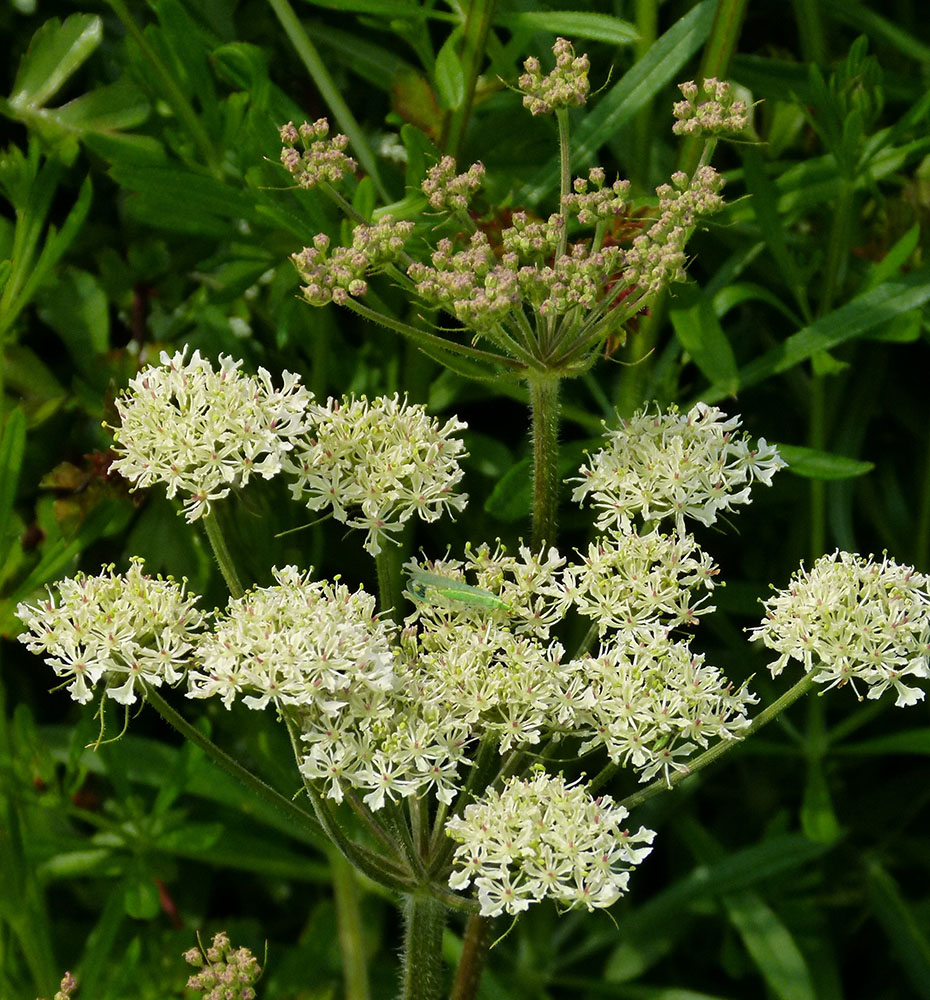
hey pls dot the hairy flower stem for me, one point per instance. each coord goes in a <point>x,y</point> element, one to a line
<point>565,176</point>
<point>222,759</point>
<point>223,556</point>
<point>475,947</point>
<point>544,403</point>
<point>718,750</point>
<point>424,919</point>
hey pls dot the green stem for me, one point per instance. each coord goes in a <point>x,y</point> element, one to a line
<point>544,403</point>
<point>565,176</point>
<point>349,923</point>
<point>718,750</point>
<point>424,918</point>
<point>474,39</point>
<point>381,870</point>
<point>429,340</point>
<point>330,93</point>
<point>477,942</point>
<point>223,556</point>
<point>173,93</point>
<point>646,18</point>
<point>922,541</point>
<point>390,593</point>
<point>724,34</point>
<point>818,493</point>
<point>229,765</point>
<point>810,29</point>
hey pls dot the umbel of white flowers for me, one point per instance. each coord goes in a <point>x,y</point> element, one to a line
<point>479,663</point>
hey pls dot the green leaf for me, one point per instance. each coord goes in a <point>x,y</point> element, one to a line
<point>889,266</point>
<point>631,94</point>
<point>911,741</point>
<point>140,897</point>
<point>60,556</point>
<point>864,314</point>
<point>905,930</point>
<point>56,52</point>
<point>12,447</point>
<point>880,28</point>
<point>812,464</point>
<point>512,497</point>
<point>572,24</point>
<point>420,150</point>
<point>699,332</point>
<point>735,294</point>
<point>771,946</point>
<point>379,65</point>
<point>818,816</point>
<point>77,309</point>
<point>385,8</point>
<point>117,106</point>
<point>764,203</point>
<point>449,74</point>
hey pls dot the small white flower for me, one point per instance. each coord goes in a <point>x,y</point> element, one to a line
<point>672,465</point>
<point>852,619</point>
<point>540,837</point>
<point>377,464</point>
<point>202,432</point>
<point>297,643</point>
<point>120,628</point>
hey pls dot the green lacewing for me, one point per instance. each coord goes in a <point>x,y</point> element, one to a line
<point>420,583</point>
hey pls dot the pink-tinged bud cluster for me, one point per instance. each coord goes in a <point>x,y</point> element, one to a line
<point>448,191</point>
<point>657,257</point>
<point>566,86</point>
<point>709,109</point>
<point>224,973</point>
<point>597,203</point>
<point>340,275</point>
<point>321,159</point>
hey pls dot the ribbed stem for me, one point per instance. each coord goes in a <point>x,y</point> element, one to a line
<point>544,403</point>
<point>565,176</point>
<point>424,919</point>
<point>224,557</point>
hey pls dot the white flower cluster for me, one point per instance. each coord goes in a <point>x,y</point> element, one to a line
<point>119,629</point>
<point>642,582</point>
<point>316,645</point>
<point>387,459</point>
<point>203,432</point>
<point>853,619</point>
<point>674,465</point>
<point>541,837</point>
<point>649,705</point>
<point>499,670</point>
